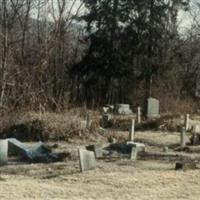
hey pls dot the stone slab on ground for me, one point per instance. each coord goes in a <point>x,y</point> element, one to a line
<point>86,160</point>
<point>3,152</point>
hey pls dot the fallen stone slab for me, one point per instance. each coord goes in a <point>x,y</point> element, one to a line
<point>86,160</point>
<point>36,153</point>
<point>3,152</point>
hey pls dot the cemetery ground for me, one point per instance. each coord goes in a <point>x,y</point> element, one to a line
<point>117,177</point>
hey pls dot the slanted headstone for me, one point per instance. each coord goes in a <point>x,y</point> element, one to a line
<point>86,160</point>
<point>132,131</point>
<point>97,149</point>
<point>123,109</point>
<point>133,155</point>
<point>153,108</point>
<point>3,152</point>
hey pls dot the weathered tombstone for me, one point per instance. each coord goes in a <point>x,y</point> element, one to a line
<point>86,160</point>
<point>138,115</point>
<point>132,131</point>
<point>182,138</point>
<point>123,109</point>
<point>187,121</point>
<point>97,149</point>
<point>140,146</point>
<point>3,152</point>
<point>133,155</point>
<point>196,129</point>
<point>153,108</point>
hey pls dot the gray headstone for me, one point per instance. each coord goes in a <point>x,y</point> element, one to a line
<point>16,148</point>
<point>153,108</point>
<point>86,160</point>
<point>123,109</point>
<point>97,149</point>
<point>140,146</point>
<point>183,137</point>
<point>3,152</point>
<point>134,152</point>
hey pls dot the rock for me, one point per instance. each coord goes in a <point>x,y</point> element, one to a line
<point>86,160</point>
<point>185,165</point>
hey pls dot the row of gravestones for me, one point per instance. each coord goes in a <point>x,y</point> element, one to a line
<point>152,110</point>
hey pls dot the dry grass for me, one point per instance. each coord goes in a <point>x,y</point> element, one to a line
<point>54,126</point>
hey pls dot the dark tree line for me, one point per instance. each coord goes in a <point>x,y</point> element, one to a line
<point>131,41</point>
<point>94,52</point>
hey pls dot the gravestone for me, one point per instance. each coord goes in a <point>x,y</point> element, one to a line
<point>153,108</point>
<point>133,155</point>
<point>123,109</point>
<point>139,146</point>
<point>183,137</point>
<point>3,152</point>
<point>132,131</point>
<point>97,149</point>
<point>86,160</point>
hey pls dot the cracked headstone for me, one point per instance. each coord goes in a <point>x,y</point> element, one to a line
<point>36,153</point>
<point>86,160</point>
<point>153,108</point>
<point>3,152</point>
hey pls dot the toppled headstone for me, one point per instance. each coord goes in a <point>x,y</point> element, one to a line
<point>86,160</point>
<point>152,108</point>
<point>36,153</point>
<point>3,152</point>
<point>123,109</point>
